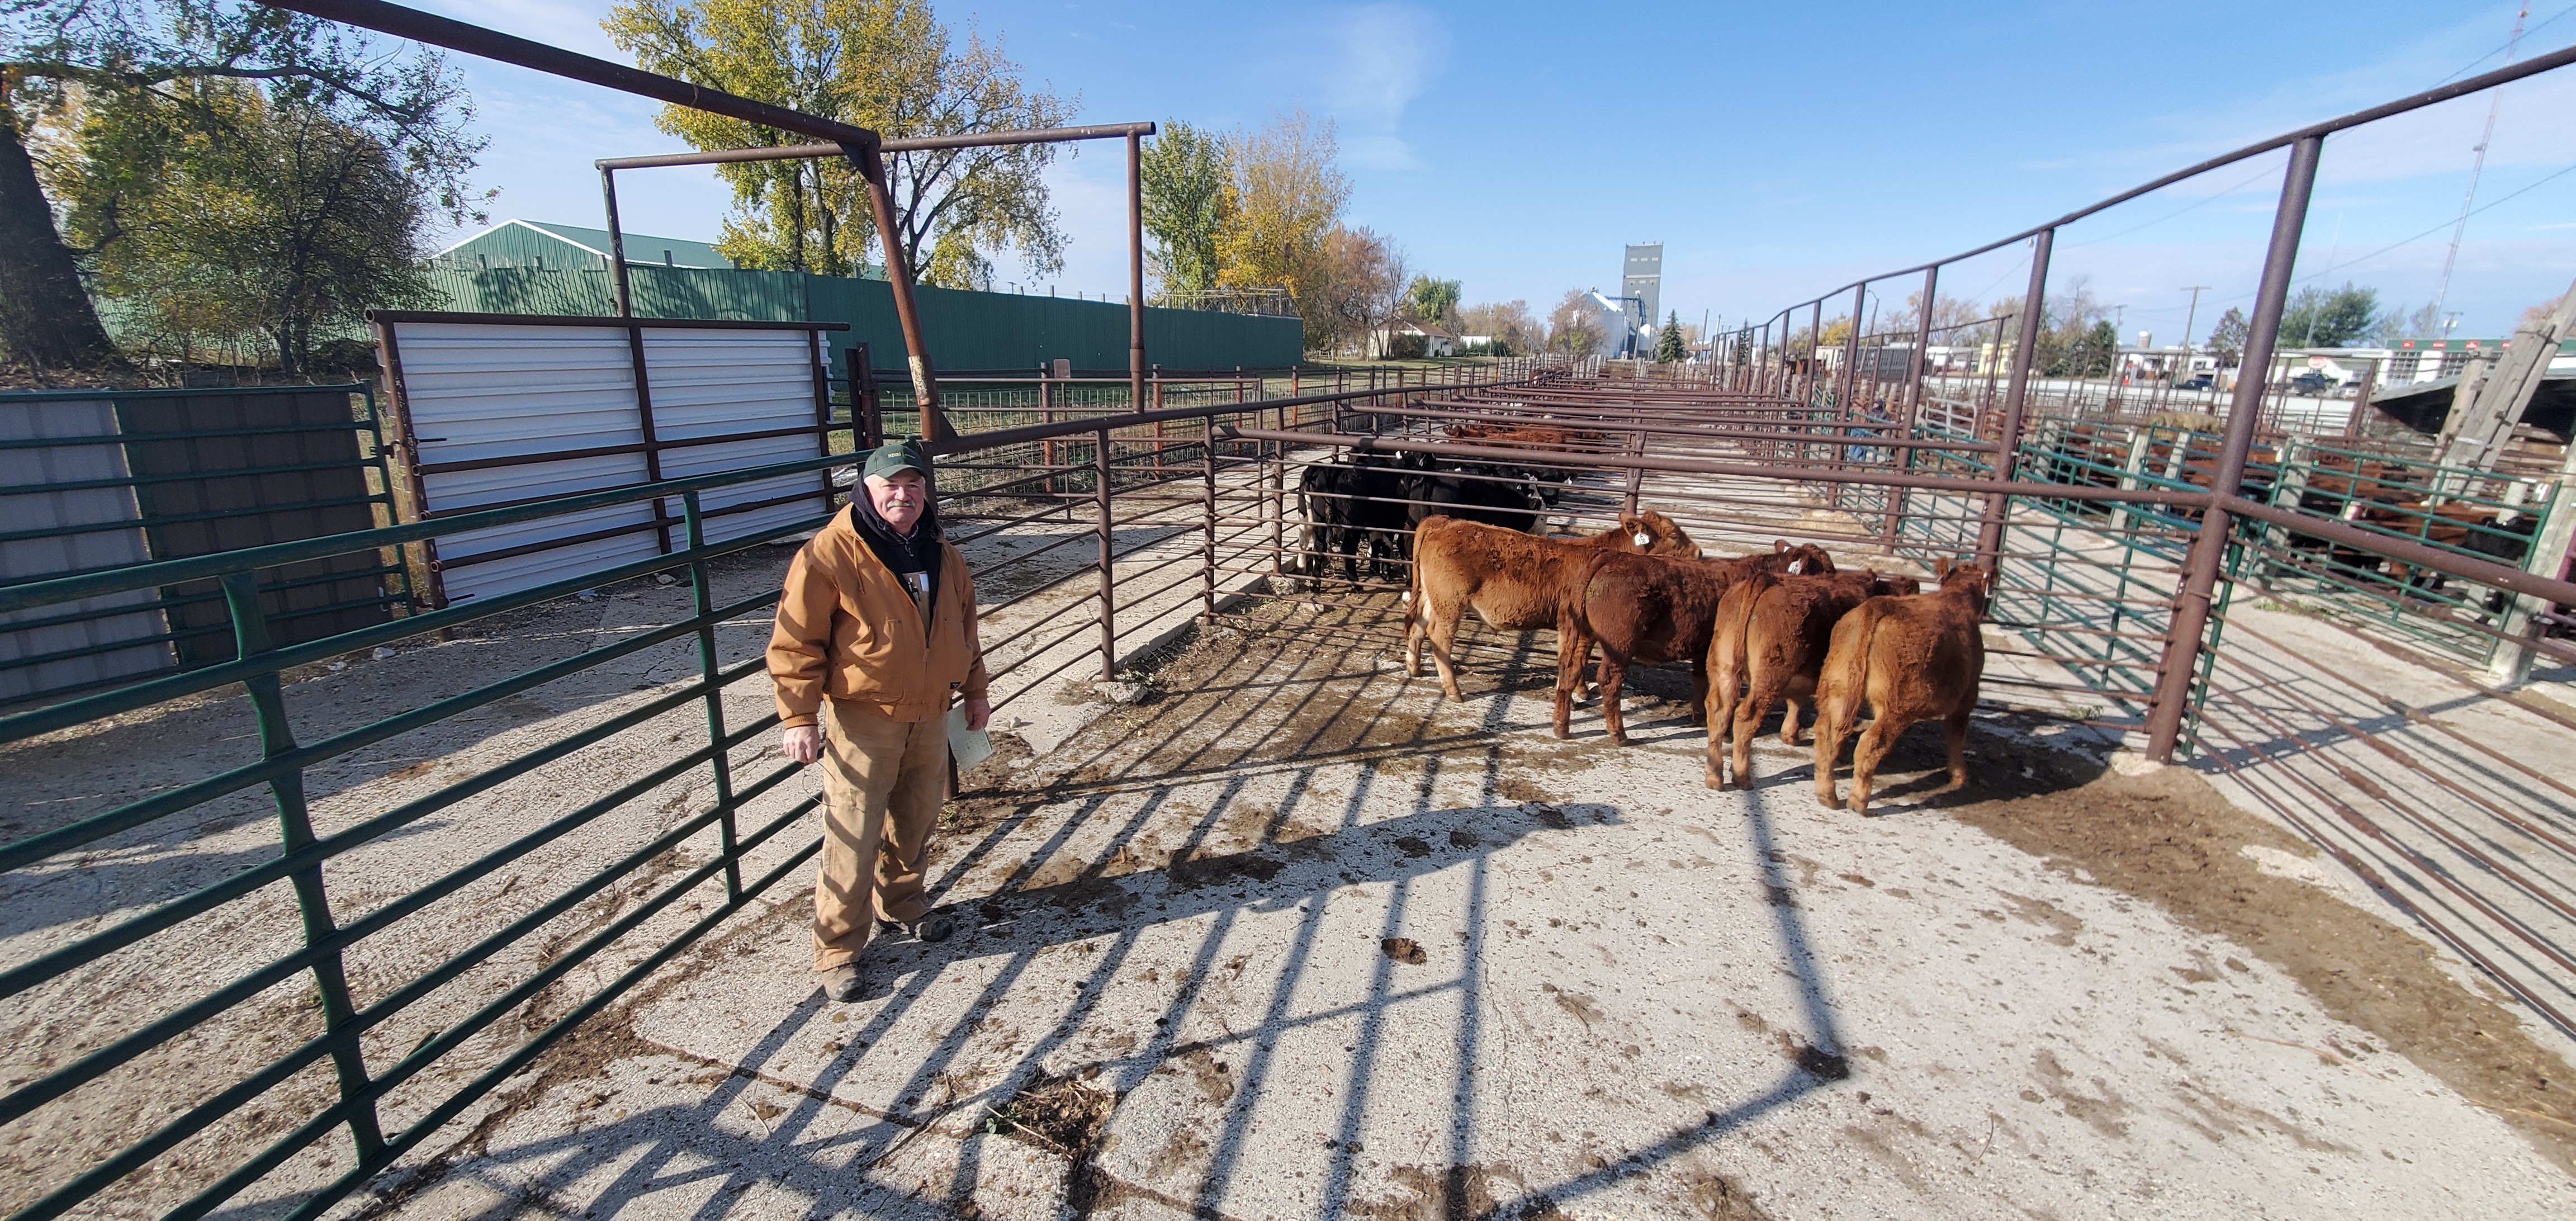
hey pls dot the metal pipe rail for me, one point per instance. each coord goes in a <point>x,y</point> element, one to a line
<point>901,144</point>
<point>1136,572</point>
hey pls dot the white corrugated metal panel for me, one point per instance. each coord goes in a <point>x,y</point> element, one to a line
<point>478,391</point>
<point>714,383</point>
<point>117,540</point>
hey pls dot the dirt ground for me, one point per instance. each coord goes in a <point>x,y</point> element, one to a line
<point>1299,938</point>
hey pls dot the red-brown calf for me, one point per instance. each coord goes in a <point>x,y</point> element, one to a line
<point>1772,633</point>
<point>1513,582</point>
<point>1644,609</point>
<point>1910,659</point>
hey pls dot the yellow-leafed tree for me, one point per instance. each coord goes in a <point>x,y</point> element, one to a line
<point>887,65</point>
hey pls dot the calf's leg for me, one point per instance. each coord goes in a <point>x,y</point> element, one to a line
<point>1571,645</point>
<point>1872,747</point>
<point>1835,712</point>
<point>1748,719</point>
<point>1957,731</point>
<point>1614,674</point>
<point>1722,703</point>
<point>1442,630</point>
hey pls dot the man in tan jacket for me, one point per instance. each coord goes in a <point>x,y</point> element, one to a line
<point>875,636</point>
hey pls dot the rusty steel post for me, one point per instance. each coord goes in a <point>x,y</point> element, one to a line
<point>1762,368</point>
<point>870,161</point>
<point>1636,474</point>
<point>1897,499</point>
<point>1135,274</point>
<point>1844,398</point>
<point>1207,556</point>
<point>616,244</point>
<point>1922,349</point>
<point>2209,546</point>
<point>1815,352</point>
<point>1108,566</point>
<point>1990,537</point>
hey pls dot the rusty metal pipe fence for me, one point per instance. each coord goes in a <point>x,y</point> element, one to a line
<point>1085,565</point>
<point>1095,541</point>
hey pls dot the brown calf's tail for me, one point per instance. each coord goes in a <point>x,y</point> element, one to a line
<point>1729,640</point>
<point>1847,670</point>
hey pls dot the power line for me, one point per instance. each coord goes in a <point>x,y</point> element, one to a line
<point>2478,167</point>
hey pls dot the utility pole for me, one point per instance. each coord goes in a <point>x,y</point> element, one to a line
<point>2478,166</point>
<point>2193,315</point>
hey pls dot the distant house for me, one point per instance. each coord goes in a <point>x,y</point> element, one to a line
<point>547,246</point>
<point>1395,335</point>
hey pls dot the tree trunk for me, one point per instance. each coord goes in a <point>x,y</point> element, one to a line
<point>45,313</point>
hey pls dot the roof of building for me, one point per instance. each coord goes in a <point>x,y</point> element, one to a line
<point>640,247</point>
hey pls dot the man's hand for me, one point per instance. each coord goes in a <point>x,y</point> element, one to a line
<point>979,712</point>
<point>803,743</point>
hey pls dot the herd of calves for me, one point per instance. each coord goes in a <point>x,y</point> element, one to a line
<point>1782,626</point>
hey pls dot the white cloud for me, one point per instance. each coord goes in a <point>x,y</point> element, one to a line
<point>1383,57</point>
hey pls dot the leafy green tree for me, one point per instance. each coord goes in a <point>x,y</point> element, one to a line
<point>1188,187</point>
<point>2095,352</point>
<point>1430,300</point>
<point>2337,318</point>
<point>1669,346</point>
<point>274,219</point>
<point>62,57</point>
<point>2227,339</point>
<point>888,65</point>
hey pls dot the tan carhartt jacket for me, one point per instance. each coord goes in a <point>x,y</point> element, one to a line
<point>848,630</point>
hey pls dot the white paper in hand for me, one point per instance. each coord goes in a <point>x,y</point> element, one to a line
<point>968,746</point>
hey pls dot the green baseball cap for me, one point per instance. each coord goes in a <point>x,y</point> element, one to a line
<point>893,456</point>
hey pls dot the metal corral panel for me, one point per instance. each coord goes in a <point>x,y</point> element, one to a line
<point>720,383</point>
<point>482,399</point>
<point>93,638</point>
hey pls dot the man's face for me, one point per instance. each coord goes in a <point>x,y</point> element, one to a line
<point>899,498</point>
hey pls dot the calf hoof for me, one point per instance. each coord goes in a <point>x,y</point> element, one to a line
<point>1716,781</point>
<point>1455,697</point>
<point>1829,801</point>
<point>1618,739</point>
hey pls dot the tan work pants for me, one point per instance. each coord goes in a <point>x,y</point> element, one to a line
<point>883,782</point>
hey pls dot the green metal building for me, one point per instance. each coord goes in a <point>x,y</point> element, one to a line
<point>545,246</point>
<point>527,267</point>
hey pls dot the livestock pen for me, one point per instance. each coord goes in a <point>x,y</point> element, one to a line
<point>481,909</point>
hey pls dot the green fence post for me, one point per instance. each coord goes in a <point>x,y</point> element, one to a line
<point>295,831</point>
<point>702,597</point>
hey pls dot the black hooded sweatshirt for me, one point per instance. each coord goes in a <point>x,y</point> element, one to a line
<point>919,553</point>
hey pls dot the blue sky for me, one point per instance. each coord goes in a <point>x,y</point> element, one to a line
<point>1777,150</point>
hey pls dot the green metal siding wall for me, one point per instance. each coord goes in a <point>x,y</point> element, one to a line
<point>967,330</point>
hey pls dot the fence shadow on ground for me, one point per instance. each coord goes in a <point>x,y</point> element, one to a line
<point>1244,709</point>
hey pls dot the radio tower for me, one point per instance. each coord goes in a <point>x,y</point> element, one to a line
<point>2495,99</point>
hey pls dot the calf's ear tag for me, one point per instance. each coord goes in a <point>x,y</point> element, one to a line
<point>1644,539</point>
<point>1797,566</point>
